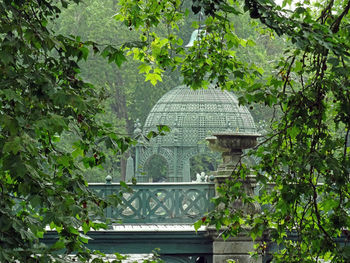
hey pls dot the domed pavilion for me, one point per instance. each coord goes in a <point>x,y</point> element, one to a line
<point>192,115</point>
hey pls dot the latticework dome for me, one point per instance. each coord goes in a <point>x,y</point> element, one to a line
<point>192,115</point>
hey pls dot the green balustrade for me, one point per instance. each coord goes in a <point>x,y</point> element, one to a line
<point>159,202</point>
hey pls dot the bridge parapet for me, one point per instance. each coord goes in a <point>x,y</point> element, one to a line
<point>159,202</point>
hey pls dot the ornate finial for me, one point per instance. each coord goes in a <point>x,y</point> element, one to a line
<point>130,172</point>
<point>108,179</point>
<point>202,177</point>
<point>200,18</point>
<point>137,127</point>
<point>198,177</point>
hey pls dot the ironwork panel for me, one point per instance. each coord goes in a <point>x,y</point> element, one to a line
<point>159,202</point>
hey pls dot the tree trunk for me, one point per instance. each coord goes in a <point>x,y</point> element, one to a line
<point>119,107</point>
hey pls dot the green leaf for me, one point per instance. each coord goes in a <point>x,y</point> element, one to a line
<point>119,58</point>
<point>85,227</point>
<point>78,152</point>
<point>40,234</point>
<point>64,160</point>
<point>299,67</point>
<point>151,134</point>
<point>84,52</point>
<point>293,131</point>
<point>163,128</point>
<point>14,145</point>
<point>84,238</point>
<point>73,230</point>
<point>11,95</point>
<point>52,225</point>
<point>197,224</point>
<point>58,245</point>
<point>153,78</point>
<point>144,68</point>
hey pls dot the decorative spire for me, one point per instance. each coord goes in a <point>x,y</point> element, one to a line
<point>130,172</point>
<point>137,128</point>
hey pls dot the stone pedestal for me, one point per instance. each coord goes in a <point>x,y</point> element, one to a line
<point>231,146</point>
<point>236,248</point>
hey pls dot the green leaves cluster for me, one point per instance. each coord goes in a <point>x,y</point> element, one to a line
<point>41,97</point>
<point>211,58</point>
<point>303,175</point>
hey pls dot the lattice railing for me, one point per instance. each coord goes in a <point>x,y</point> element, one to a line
<point>160,202</point>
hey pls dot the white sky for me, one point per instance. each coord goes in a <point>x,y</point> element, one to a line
<point>279,2</point>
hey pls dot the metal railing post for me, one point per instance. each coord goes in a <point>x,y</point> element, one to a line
<point>108,190</point>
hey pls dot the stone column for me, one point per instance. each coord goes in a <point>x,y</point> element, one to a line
<point>231,146</point>
<point>130,172</point>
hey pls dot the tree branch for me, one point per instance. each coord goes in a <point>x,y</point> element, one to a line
<point>346,142</point>
<point>336,23</point>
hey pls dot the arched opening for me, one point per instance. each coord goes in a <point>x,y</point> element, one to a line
<point>206,163</point>
<point>156,169</point>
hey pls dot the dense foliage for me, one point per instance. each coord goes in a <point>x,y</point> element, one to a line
<point>41,96</point>
<point>304,169</point>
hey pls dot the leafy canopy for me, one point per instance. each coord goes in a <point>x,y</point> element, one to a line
<point>42,96</point>
<point>303,174</point>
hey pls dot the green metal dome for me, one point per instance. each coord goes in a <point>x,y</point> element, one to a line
<point>192,115</point>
